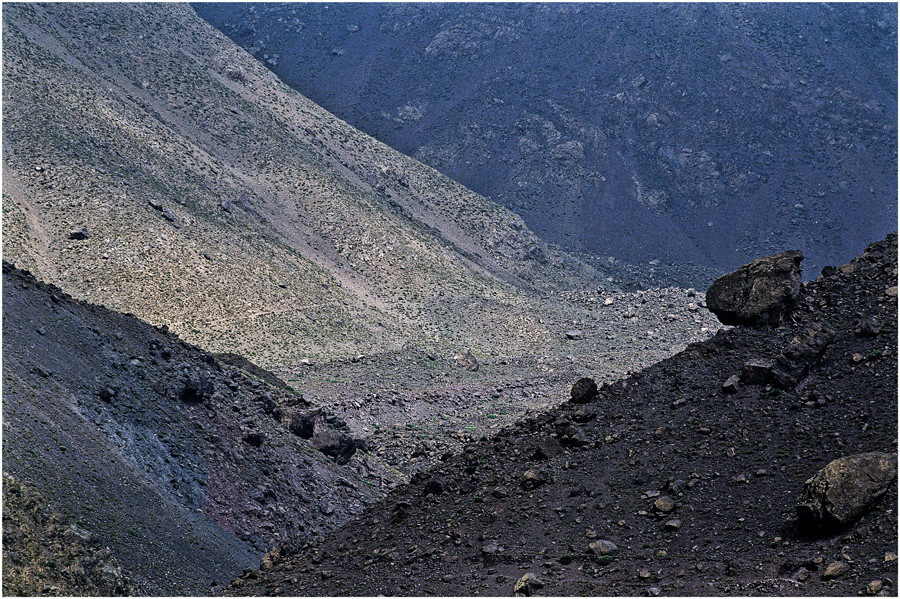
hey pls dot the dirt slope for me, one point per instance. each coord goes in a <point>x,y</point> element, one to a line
<point>533,497</point>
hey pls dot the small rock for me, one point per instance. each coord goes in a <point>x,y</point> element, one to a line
<point>654,591</point>
<point>890,557</point>
<point>891,291</point>
<point>526,585</point>
<point>835,570</point>
<point>195,389</point>
<point>731,385</point>
<point>868,327</point>
<point>466,360</point>
<point>270,559</point>
<point>491,548</point>
<point>533,479</point>
<point>608,301</point>
<point>337,445</point>
<point>546,448</point>
<point>574,335</point>
<point>106,394</point>
<point>79,233</point>
<point>664,504</point>
<point>602,547</point>
<point>434,486</point>
<point>757,372</point>
<point>645,574</point>
<point>874,587</point>
<point>673,525</point>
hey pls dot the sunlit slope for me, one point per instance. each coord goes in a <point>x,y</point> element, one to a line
<point>223,204</point>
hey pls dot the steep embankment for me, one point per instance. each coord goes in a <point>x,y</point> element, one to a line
<point>218,201</point>
<point>705,133</point>
<point>695,487</point>
<point>151,446</point>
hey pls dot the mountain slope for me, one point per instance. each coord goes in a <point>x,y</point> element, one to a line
<point>710,133</point>
<point>695,487</point>
<point>219,202</point>
<point>151,446</point>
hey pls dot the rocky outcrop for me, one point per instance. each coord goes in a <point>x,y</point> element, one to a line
<point>758,293</point>
<point>845,489</point>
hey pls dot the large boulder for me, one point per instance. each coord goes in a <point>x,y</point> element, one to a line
<point>845,489</point>
<point>758,293</point>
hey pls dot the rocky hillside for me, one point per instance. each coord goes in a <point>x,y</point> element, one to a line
<point>709,134</point>
<point>179,466</point>
<point>166,173</point>
<point>682,479</point>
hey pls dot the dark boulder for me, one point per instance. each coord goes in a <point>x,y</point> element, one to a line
<point>845,489</point>
<point>584,391</point>
<point>339,446</point>
<point>79,234</point>
<point>303,424</point>
<point>758,293</point>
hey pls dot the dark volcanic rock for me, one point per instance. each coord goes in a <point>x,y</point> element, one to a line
<point>758,372</point>
<point>845,489</point>
<point>584,391</point>
<point>802,352</point>
<point>303,424</point>
<point>335,444</point>
<point>79,233</point>
<point>758,293</point>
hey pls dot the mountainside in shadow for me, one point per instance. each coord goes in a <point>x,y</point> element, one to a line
<point>674,481</point>
<point>174,461</point>
<point>699,133</point>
